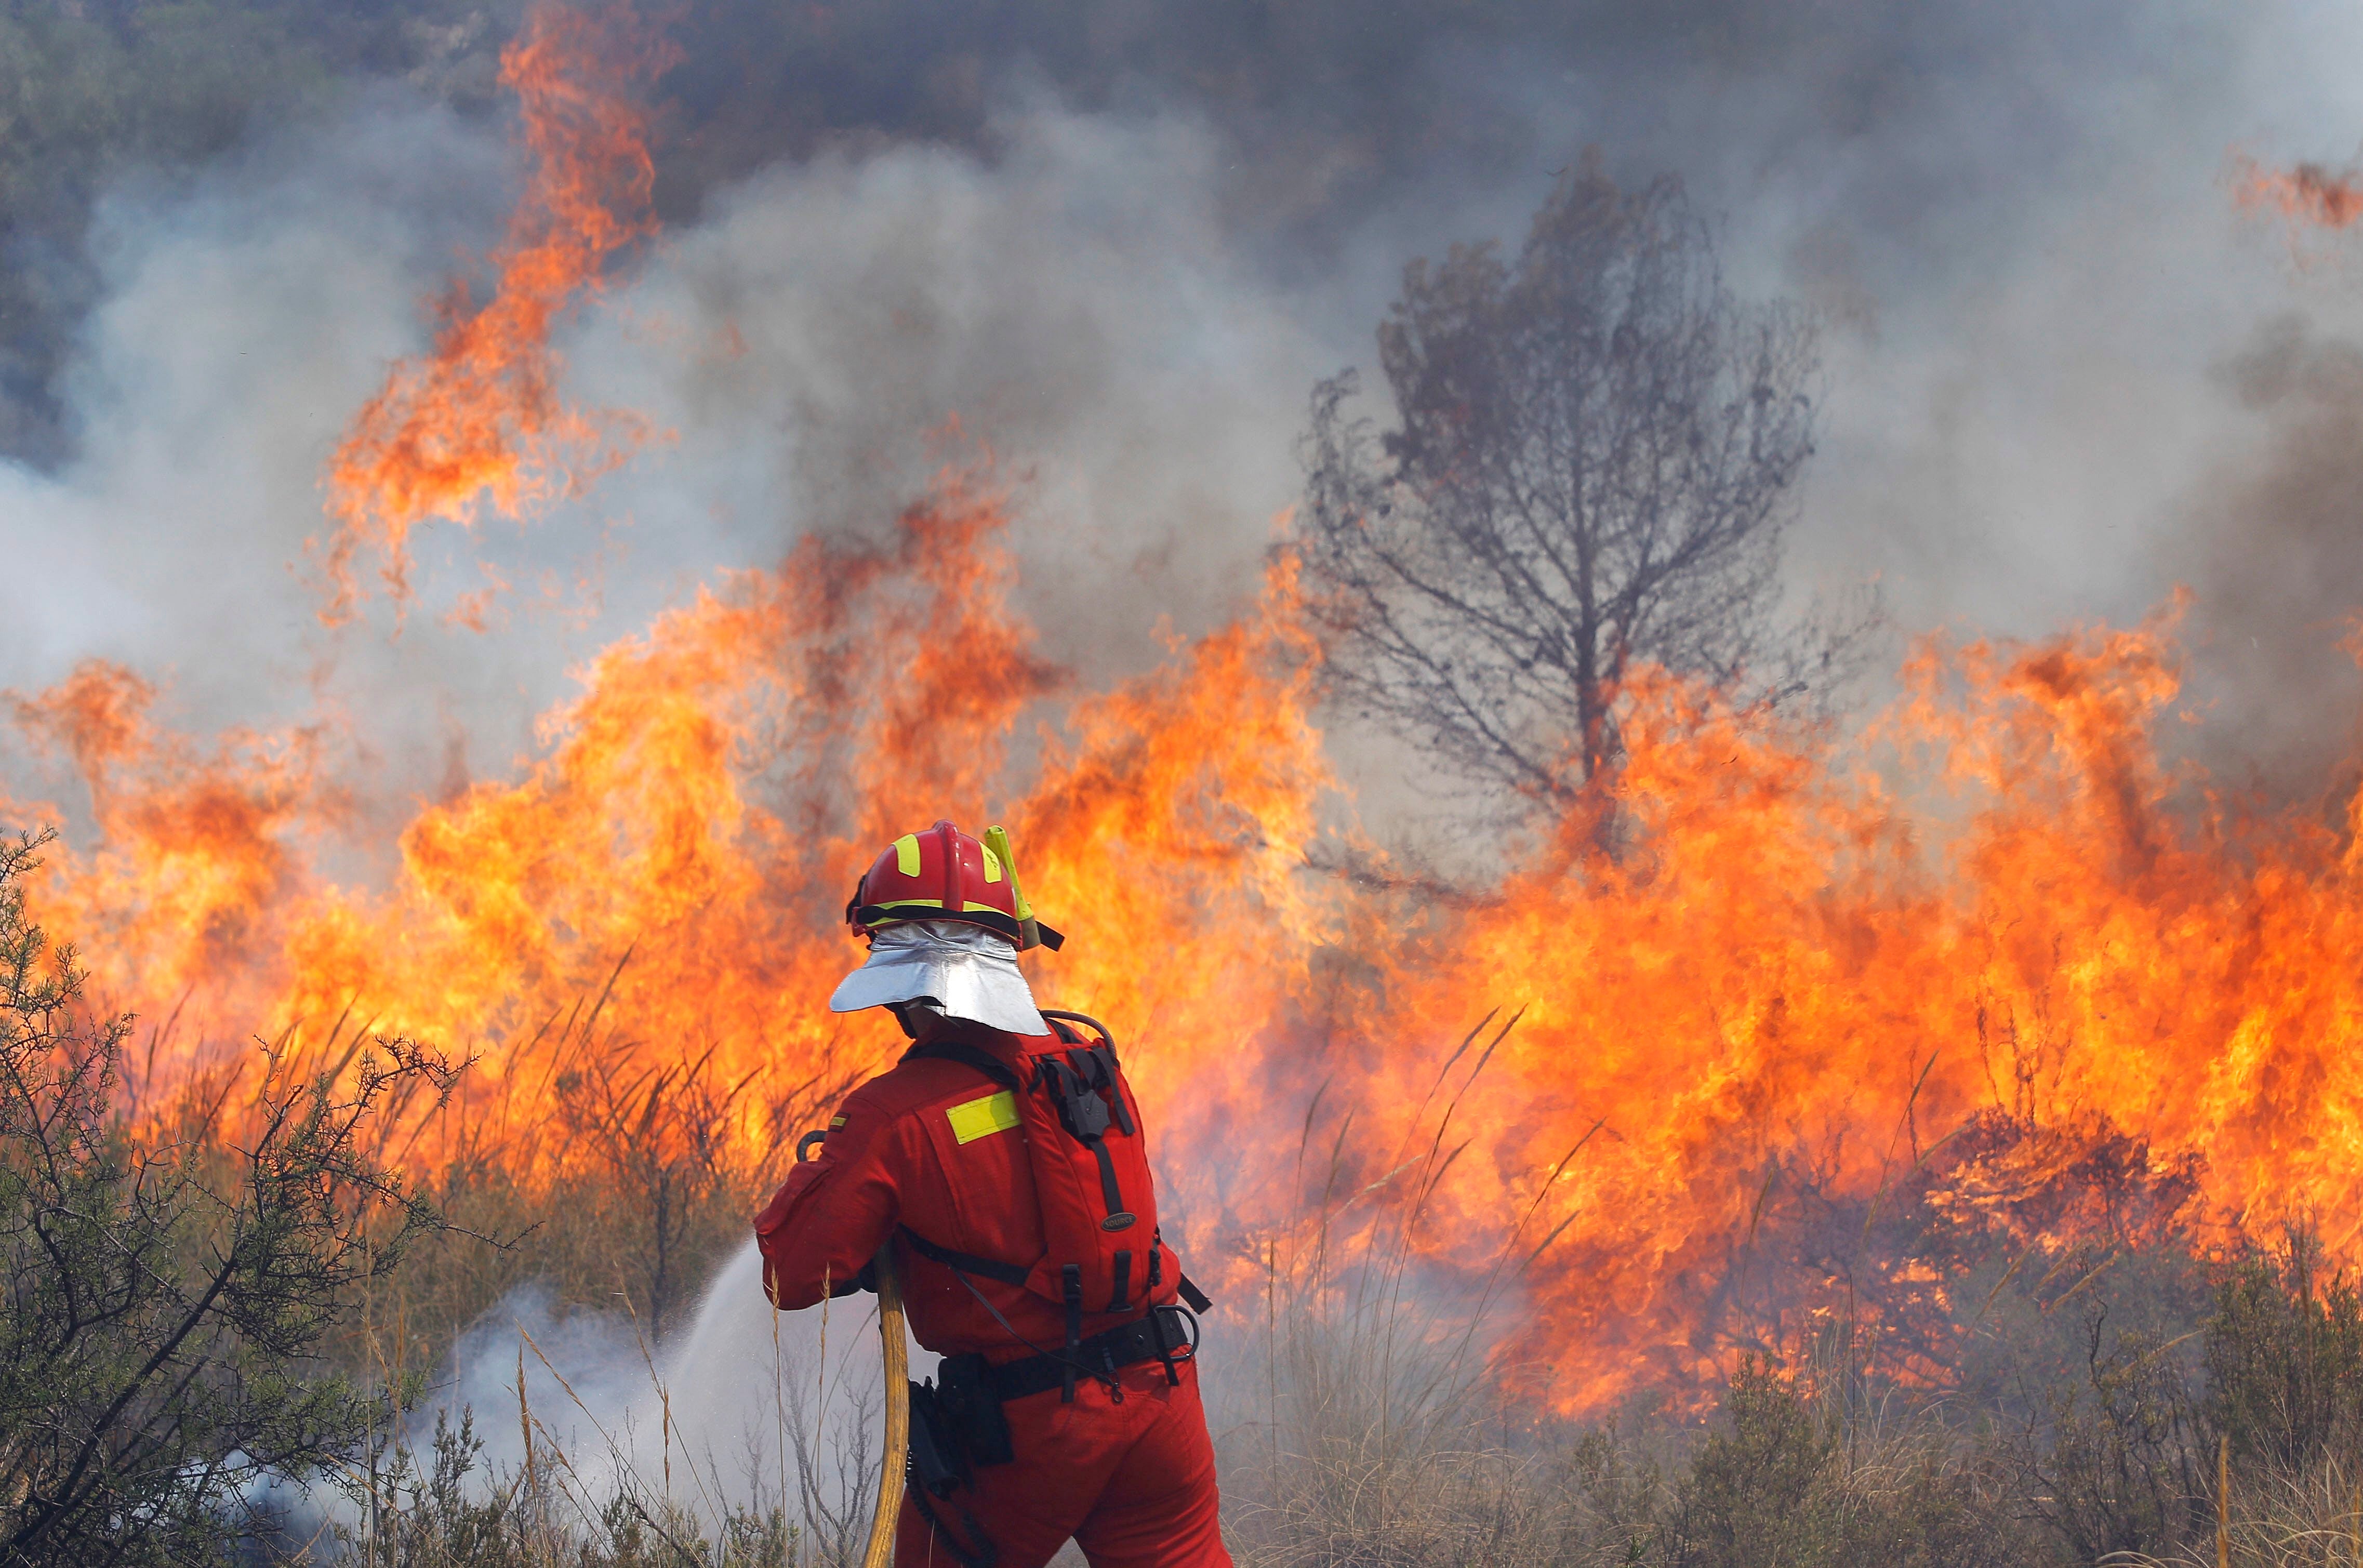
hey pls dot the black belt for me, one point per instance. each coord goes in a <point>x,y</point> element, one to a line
<point>1168,1334</point>
<point>958,1423</point>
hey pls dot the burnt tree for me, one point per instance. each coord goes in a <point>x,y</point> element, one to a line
<point>1595,464</point>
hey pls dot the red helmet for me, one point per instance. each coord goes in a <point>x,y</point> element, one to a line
<point>944,874</point>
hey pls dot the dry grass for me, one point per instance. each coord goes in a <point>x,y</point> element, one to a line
<point>1430,1470</point>
<point>2268,1517</point>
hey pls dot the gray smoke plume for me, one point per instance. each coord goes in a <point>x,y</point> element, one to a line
<point>2268,543</point>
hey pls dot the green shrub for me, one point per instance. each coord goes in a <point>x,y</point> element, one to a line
<point>1791,1479</point>
<point>2285,1356</point>
<point>165,1304</point>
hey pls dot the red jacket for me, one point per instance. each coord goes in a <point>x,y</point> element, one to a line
<point>891,1159</point>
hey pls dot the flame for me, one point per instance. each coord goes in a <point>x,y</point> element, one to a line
<point>193,848</point>
<point>1991,957</point>
<point>2310,192</point>
<point>479,421</point>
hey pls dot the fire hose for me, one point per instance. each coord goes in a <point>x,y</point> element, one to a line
<point>897,1356</point>
<point>895,1352</point>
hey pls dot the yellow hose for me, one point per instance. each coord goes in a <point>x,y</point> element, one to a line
<point>881,1551</point>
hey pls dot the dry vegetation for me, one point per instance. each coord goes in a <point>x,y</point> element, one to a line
<point>1387,1443</point>
<point>619,1192</point>
<point>1379,1439</point>
<point>2129,1399</point>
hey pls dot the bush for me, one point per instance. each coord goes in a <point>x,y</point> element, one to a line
<point>2121,1469</point>
<point>2285,1358</point>
<point>166,1301</point>
<point>2280,1410</point>
<point>1789,1480</point>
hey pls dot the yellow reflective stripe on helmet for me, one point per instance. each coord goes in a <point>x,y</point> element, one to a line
<point>907,855</point>
<point>996,843</point>
<point>904,909</point>
<point>982,1118</point>
<point>992,864</point>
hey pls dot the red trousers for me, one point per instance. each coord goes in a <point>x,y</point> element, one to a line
<point>1131,1480</point>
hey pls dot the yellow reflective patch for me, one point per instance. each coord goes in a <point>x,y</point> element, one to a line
<point>907,855</point>
<point>836,1121</point>
<point>982,1118</point>
<point>991,866</point>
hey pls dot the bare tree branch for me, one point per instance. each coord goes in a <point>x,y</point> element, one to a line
<point>1595,465</point>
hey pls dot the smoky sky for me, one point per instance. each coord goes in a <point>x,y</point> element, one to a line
<point>1117,243</point>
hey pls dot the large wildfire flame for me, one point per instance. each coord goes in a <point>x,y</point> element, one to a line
<point>1795,988</point>
<point>480,419</point>
<point>1989,957</point>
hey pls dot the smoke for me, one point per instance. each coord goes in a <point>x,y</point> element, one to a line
<point>1072,307</point>
<point>744,1410</point>
<point>810,352</point>
<point>1118,258</point>
<point>745,1407</point>
<point>2270,545</point>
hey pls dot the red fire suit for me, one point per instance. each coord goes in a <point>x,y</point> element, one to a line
<point>1129,1475</point>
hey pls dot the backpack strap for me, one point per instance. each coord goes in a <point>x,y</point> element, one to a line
<point>1097,1068</point>
<point>1199,1300</point>
<point>966,1262</point>
<point>1086,1116</point>
<point>1070,1284</point>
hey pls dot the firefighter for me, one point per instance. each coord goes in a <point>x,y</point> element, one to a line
<point>1004,1157</point>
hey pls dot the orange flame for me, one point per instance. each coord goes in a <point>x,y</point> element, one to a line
<point>480,419</point>
<point>2091,996</point>
<point>193,848</point>
<point>2310,192</point>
